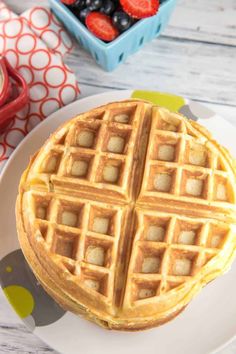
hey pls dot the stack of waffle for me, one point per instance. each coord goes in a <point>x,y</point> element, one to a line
<point>126,212</point>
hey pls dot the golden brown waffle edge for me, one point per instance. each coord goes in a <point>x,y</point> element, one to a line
<point>154,246</point>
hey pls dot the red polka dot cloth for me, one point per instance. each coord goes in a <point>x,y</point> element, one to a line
<point>35,43</point>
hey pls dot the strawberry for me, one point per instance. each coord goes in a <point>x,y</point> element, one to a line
<point>101,26</point>
<point>68,2</point>
<point>140,8</point>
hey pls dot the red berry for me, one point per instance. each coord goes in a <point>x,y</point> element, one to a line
<point>68,2</point>
<point>140,8</point>
<point>101,26</point>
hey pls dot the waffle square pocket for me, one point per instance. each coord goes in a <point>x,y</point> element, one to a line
<point>130,210</point>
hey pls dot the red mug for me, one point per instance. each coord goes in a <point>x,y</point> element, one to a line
<point>11,103</point>
<point>5,85</point>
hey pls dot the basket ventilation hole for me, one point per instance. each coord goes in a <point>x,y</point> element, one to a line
<point>96,56</point>
<point>121,57</point>
<point>158,29</point>
<point>141,41</point>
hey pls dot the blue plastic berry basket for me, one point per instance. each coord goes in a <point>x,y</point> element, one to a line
<point>110,55</point>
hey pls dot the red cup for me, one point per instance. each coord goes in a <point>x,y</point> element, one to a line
<point>11,104</point>
<point>5,87</point>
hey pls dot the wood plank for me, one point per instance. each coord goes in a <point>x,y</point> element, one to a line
<point>178,62</point>
<point>191,69</point>
<point>14,336</point>
<point>17,339</point>
<point>211,21</point>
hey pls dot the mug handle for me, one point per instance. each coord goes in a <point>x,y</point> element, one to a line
<point>4,82</point>
<point>8,110</point>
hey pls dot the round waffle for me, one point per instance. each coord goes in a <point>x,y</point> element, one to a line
<point>126,212</point>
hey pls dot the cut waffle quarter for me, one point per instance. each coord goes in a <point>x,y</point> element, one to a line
<point>126,212</point>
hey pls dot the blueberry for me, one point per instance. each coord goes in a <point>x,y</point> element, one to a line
<point>94,5</point>
<point>108,7</point>
<point>83,14</point>
<point>78,5</point>
<point>121,20</point>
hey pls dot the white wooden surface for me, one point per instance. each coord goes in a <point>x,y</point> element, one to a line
<point>195,57</point>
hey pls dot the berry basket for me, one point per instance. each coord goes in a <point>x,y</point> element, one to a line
<point>110,55</point>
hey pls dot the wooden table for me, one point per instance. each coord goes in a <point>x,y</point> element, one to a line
<point>195,57</point>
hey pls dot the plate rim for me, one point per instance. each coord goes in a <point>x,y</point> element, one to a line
<point>46,122</point>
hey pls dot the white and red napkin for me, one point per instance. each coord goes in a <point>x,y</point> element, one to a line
<point>35,44</point>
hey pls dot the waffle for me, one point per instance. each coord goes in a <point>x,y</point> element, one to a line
<point>126,212</point>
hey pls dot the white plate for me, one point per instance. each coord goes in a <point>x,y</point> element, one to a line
<point>207,323</point>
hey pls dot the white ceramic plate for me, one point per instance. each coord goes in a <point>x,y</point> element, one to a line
<point>207,323</point>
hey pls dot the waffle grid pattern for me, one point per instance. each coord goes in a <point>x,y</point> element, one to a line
<point>181,165</point>
<point>97,153</point>
<point>166,249</point>
<point>84,234</point>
